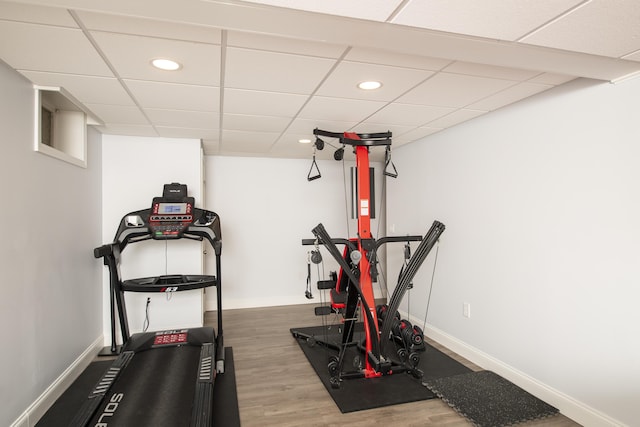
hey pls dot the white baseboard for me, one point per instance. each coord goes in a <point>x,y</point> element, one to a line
<point>39,407</point>
<point>568,406</point>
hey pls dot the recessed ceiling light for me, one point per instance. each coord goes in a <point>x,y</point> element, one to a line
<point>304,141</point>
<point>166,64</point>
<point>370,85</point>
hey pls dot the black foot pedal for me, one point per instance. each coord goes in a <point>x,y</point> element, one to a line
<point>323,311</point>
<point>326,284</point>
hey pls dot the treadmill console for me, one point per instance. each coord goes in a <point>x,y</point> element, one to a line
<point>168,220</point>
<point>172,213</point>
<point>172,216</point>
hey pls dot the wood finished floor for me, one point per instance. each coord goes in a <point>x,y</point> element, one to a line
<point>278,387</point>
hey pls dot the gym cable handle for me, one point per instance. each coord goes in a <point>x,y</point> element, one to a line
<point>318,175</point>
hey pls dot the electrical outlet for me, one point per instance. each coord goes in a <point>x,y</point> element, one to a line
<point>466,310</point>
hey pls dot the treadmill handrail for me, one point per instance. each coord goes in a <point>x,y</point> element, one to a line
<point>197,230</point>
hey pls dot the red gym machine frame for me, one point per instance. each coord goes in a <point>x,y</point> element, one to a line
<point>361,144</point>
<point>360,278</point>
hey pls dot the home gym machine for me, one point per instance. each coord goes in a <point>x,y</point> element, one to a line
<point>163,378</point>
<point>390,345</point>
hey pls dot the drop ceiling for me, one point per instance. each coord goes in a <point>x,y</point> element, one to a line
<point>258,76</point>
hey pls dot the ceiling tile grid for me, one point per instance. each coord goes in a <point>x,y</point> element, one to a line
<point>385,57</point>
<point>408,114</point>
<point>253,87</point>
<point>120,24</point>
<point>377,10</point>
<point>343,81</point>
<point>274,71</point>
<point>36,14</point>
<point>116,115</point>
<point>600,27</point>
<point>183,119</point>
<point>49,48</point>
<point>131,57</point>
<point>454,90</point>
<point>479,18</point>
<point>86,89</point>
<point>174,96</point>
<point>283,45</point>
<point>257,102</point>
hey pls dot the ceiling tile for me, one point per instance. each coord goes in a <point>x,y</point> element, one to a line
<point>408,114</point>
<point>182,118</point>
<point>149,27</point>
<point>234,141</point>
<point>343,81</point>
<point>384,57</point>
<point>86,89</point>
<point>36,14</point>
<point>414,135</point>
<point>551,79</point>
<point>339,110</point>
<point>509,96</point>
<point>47,48</point>
<point>287,72</point>
<point>211,146</point>
<point>454,90</point>
<point>172,132</point>
<point>173,96</point>
<point>131,56</point>
<point>283,45</point>
<point>276,72</point>
<point>599,27</point>
<point>305,127</point>
<point>376,10</point>
<point>368,127</point>
<point>128,130</point>
<point>454,118</point>
<point>118,114</point>
<point>254,123</point>
<point>483,70</point>
<point>260,103</point>
<point>635,56</point>
<point>289,146</point>
<point>479,18</point>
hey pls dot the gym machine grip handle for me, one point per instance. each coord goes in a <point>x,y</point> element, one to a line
<point>103,251</point>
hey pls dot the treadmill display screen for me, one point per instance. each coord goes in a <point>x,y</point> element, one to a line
<point>172,208</point>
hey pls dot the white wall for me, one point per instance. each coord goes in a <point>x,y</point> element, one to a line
<point>135,170</point>
<point>542,206</point>
<point>51,285</point>
<point>266,208</point>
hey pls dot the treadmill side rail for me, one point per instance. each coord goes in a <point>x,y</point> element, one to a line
<point>202,413</point>
<point>95,398</point>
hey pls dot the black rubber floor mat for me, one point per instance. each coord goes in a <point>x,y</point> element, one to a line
<point>360,394</point>
<point>488,400</point>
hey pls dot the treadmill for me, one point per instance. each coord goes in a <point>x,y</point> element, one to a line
<point>162,378</point>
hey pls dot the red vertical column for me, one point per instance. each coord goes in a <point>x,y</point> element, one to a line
<point>364,232</point>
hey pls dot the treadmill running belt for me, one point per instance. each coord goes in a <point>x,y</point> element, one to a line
<point>155,389</point>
